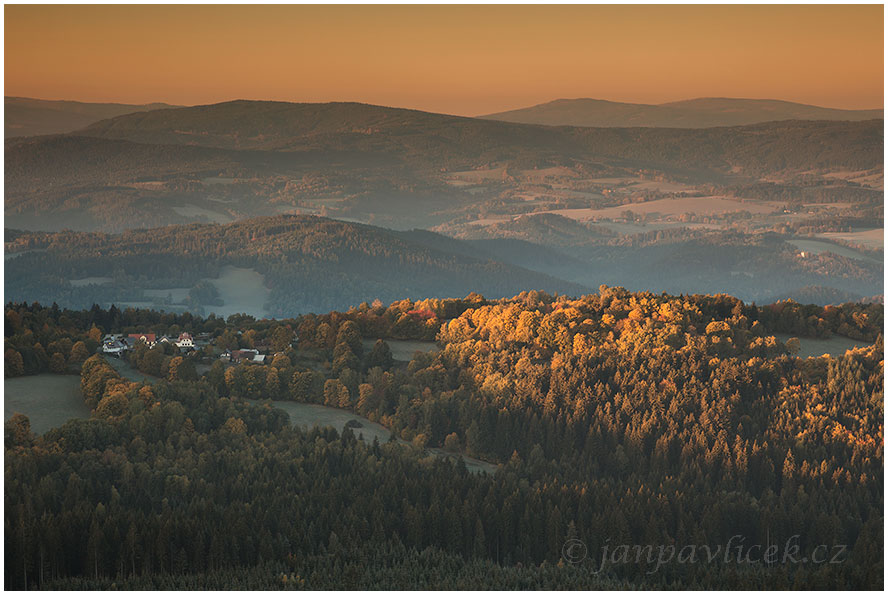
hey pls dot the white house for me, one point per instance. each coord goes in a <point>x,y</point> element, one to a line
<point>114,347</point>
<point>185,341</point>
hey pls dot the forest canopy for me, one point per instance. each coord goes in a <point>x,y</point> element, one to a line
<point>613,418</point>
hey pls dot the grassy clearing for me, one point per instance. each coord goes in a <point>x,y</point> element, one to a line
<point>868,238</point>
<point>310,415</point>
<point>199,213</point>
<point>49,400</point>
<point>818,246</point>
<point>672,207</point>
<point>835,346</point>
<point>127,371</point>
<point>403,351</point>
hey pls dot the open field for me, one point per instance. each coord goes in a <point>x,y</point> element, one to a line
<point>217,181</point>
<point>660,186</point>
<point>403,351</point>
<point>200,212</point>
<point>869,238</point>
<point>818,246</point>
<point>309,415</point>
<point>835,346</point>
<point>671,207</point>
<point>49,400</point>
<point>864,178</point>
<point>127,371</point>
<point>476,176</point>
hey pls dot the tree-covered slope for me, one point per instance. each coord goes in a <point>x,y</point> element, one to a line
<point>309,264</point>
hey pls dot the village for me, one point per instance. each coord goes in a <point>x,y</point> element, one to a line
<point>118,344</point>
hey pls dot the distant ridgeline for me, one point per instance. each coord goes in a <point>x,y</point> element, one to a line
<point>390,166</point>
<point>301,264</point>
<point>614,418</point>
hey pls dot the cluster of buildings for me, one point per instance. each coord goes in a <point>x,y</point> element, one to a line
<point>120,343</point>
<point>238,356</point>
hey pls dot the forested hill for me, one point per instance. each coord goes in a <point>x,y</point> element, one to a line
<point>438,139</point>
<point>25,116</point>
<point>615,420</point>
<point>693,113</point>
<point>391,166</point>
<point>309,263</point>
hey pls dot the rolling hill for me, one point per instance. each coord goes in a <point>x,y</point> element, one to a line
<point>389,166</point>
<point>32,117</point>
<point>308,263</point>
<point>693,113</point>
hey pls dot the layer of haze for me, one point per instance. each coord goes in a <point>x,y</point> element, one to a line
<point>466,60</point>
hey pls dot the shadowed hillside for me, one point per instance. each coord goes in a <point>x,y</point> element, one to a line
<point>31,117</point>
<point>394,167</point>
<point>693,113</point>
<point>308,263</point>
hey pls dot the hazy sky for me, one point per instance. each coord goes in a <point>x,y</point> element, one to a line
<point>467,60</point>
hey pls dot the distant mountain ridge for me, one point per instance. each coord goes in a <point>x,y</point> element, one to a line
<point>377,164</point>
<point>34,117</point>
<point>704,112</point>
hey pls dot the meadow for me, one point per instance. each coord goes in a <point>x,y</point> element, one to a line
<point>49,400</point>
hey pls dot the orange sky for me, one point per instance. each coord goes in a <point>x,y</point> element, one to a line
<point>467,60</point>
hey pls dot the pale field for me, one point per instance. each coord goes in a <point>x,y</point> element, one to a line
<point>217,181</point>
<point>479,175</point>
<point>612,181</point>
<point>869,238</point>
<point>671,207</point>
<point>493,219</point>
<point>49,400</point>
<point>308,415</point>
<point>661,186</point>
<point>200,212</point>
<point>863,177</point>
<point>459,183</point>
<point>127,371</point>
<point>817,246</point>
<point>403,351</point>
<point>835,346</point>
<point>548,172</point>
<point>580,194</point>
<point>820,206</point>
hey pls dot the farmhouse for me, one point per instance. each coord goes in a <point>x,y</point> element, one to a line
<point>185,341</point>
<point>149,338</point>
<point>114,347</point>
<point>242,355</point>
